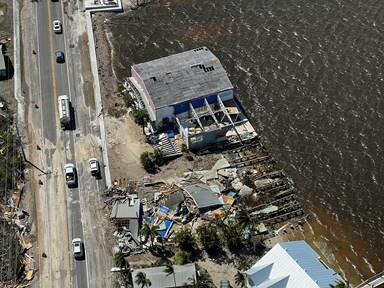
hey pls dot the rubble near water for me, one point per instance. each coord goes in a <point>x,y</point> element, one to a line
<point>245,178</point>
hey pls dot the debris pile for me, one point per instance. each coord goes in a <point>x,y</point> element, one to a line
<point>17,265</point>
<point>16,259</point>
<point>245,177</point>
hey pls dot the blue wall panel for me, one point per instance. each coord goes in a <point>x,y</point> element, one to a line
<point>184,107</point>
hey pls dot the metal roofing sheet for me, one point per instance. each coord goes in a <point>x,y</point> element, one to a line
<point>183,274</point>
<point>203,195</point>
<point>295,260</point>
<point>127,209</point>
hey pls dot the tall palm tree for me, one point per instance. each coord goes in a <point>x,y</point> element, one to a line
<point>170,270</point>
<point>150,232</point>
<point>339,284</point>
<point>240,279</point>
<point>142,280</point>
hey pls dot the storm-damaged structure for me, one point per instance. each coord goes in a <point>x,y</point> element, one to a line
<point>190,93</point>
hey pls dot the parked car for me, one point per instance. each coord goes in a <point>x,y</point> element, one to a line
<point>94,167</point>
<point>59,56</point>
<point>225,284</point>
<point>78,249</point>
<point>57,27</point>
<point>70,175</point>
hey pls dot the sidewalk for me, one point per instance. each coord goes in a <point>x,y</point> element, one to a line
<point>99,106</point>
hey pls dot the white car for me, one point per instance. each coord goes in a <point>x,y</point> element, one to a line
<point>70,175</point>
<point>94,166</point>
<point>57,27</point>
<point>78,249</point>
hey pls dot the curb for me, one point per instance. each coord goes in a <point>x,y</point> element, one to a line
<point>16,55</point>
<point>99,106</point>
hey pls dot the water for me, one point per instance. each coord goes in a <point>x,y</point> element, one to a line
<point>310,75</point>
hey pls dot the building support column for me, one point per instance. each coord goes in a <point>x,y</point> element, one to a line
<point>224,109</point>
<point>211,112</point>
<point>196,117</point>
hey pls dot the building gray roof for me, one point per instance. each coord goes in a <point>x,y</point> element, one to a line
<point>182,77</point>
<point>127,209</point>
<point>291,265</point>
<point>183,274</point>
<point>203,195</point>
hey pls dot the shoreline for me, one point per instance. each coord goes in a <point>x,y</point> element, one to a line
<point>337,252</point>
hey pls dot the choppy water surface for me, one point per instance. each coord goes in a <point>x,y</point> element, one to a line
<point>310,75</point>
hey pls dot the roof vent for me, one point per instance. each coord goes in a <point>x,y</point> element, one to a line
<point>198,49</point>
<point>154,79</point>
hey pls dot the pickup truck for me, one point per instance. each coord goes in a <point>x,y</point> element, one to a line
<point>70,175</point>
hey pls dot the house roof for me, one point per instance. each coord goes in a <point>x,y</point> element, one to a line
<point>127,209</point>
<point>182,77</point>
<point>183,275</point>
<point>203,195</point>
<point>291,265</point>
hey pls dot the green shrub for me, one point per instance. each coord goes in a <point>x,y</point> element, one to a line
<point>183,257</point>
<point>140,116</point>
<point>185,239</point>
<point>148,162</point>
<point>129,100</point>
<point>158,157</point>
<point>209,238</point>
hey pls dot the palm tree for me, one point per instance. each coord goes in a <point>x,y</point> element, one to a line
<point>240,279</point>
<point>169,270</point>
<point>142,280</point>
<point>243,265</point>
<point>119,260</point>
<point>150,232</point>
<point>243,217</point>
<point>339,284</point>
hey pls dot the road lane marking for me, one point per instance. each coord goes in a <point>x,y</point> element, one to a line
<point>74,153</point>
<point>66,49</point>
<point>66,52</point>
<point>58,127</point>
<point>45,199</point>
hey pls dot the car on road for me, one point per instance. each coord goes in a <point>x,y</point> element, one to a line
<point>59,56</point>
<point>94,167</point>
<point>78,249</point>
<point>225,284</point>
<point>70,175</point>
<point>57,27</point>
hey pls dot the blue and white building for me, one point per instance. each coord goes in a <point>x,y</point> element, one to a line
<point>191,89</point>
<point>291,265</point>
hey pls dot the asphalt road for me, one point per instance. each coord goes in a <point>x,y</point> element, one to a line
<point>61,222</point>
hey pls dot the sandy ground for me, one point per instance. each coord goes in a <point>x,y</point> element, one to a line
<point>125,145</point>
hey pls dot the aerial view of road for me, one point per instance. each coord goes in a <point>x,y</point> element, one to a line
<point>63,213</point>
<point>223,144</point>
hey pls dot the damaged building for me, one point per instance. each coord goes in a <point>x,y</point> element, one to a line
<point>191,93</point>
<point>127,214</point>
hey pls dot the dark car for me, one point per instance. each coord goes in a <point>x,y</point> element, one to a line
<point>59,56</point>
